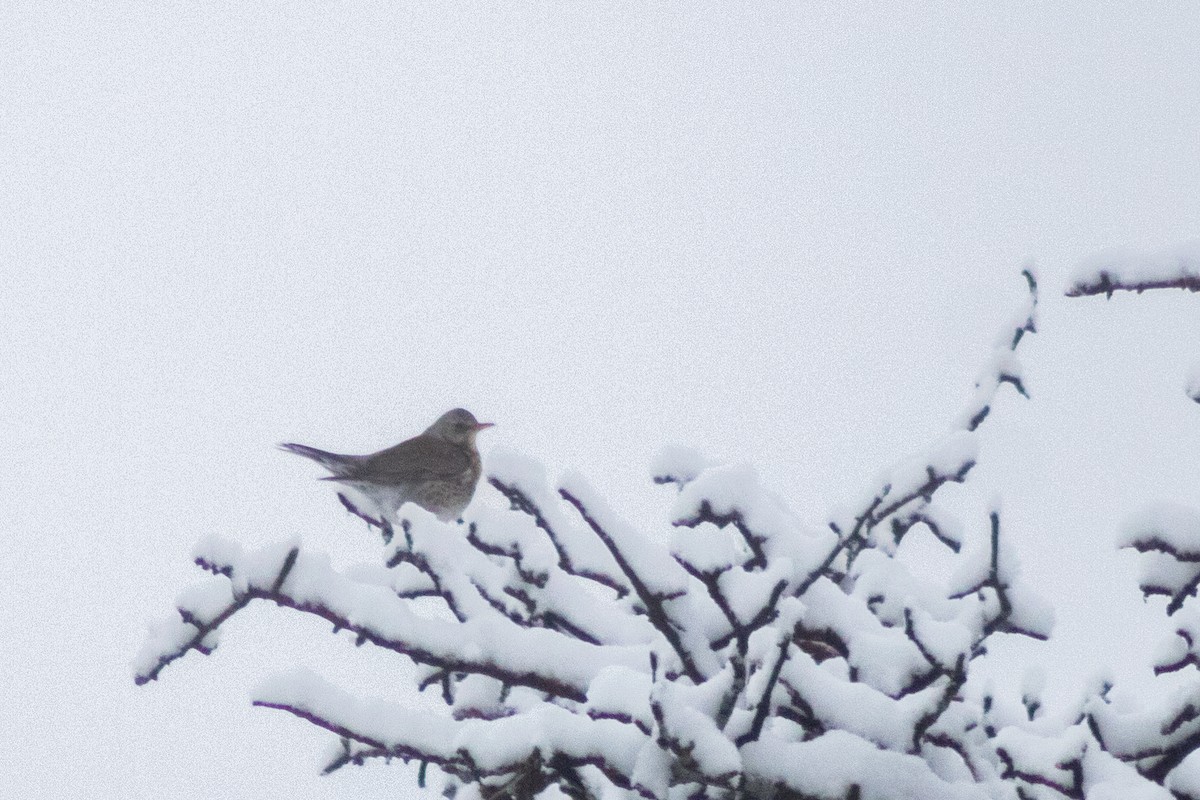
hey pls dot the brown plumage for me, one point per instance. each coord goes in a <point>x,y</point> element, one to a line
<point>437,470</point>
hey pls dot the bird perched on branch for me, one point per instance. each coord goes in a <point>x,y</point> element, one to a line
<point>437,470</point>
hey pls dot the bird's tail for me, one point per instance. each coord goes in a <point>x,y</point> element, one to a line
<point>333,462</point>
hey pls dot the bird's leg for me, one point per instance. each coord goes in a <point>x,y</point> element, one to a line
<point>386,530</point>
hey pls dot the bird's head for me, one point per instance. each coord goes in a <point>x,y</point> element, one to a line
<point>458,426</point>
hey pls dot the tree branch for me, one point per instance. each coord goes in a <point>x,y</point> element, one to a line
<point>1106,283</point>
<point>654,604</point>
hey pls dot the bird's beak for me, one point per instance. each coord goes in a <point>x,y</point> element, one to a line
<point>481,425</point>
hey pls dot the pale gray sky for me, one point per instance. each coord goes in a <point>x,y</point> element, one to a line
<point>778,232</point>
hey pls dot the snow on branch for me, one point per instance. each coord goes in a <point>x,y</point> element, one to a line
<point>657,579</point>
<point>841,765</point>
<point>1193,383</point>
<point>523,482</point>
<point>1004,366</point>
<point>1055,762</point>
<point>993,575</point>
<point>739,654</point>
<point>488,645</point>
<point>1155,740</point>
<point>1125,270</point>
<point>904,496</point>
<point>471,748</point>
<point>1160,742</point>
<point>202,611</point>
<point>1169,536</point>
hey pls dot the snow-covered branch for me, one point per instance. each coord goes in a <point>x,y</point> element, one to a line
<point>489,644</point>
<point>740,654</point>
<point>1128,271</point>
<point>1169,538</point>
<point>1158,741</point>
<point>1004,366</point>
<point>470,748</point>
<point>1122,270</point>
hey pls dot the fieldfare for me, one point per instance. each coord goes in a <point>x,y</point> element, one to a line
<point>437,470</point>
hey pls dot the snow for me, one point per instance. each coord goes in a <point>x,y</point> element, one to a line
<point>1141,730</point>
<point>678,464</point>
<point>621,693</point>
<point>517,534</point>
<point>1128,789</point>
<point>1109,779</point>
<point>715,756</point>
<point>658,578</point>
<point>748,593</point>
<point>494,744</point>
<point>1033,683</point>
<point>403,579</point>
<point>497,744</point>
<point>1185,779</point>
<point>829,765</point>
<point>1169,525</point>
<point>950,528</point>
<point>390,724</point>
<point>534,653</point>
<point>890,589</point>
<point>911,479</point>
<point>471,582</point>
<point>254,567</point>
<point>582,552</point>
<point>1044,755</point>
<point>1193,382</point>
<point>736,491</point>
<point>707,548</point>
<point>708,697</point>
<point>857,707</point>
<point>1159,572</point>
<point>949,457</point>
<point>886,660</point>
<point>1129,267</point>
<point>205,601</point>
<point>1171,651</point>
<point>478,696</point>
<point>652,771</point>
<point>163,636</point>
<point>1025,316</point>
<point>947,641</point>
<point>1031,611</point>
<point>725,488</point>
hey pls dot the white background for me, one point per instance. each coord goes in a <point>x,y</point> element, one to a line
<point>778,232</point>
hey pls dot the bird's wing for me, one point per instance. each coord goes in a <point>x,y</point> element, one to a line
<point>418,459</point>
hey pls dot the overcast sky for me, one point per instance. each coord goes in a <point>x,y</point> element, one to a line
<point>785,233</point>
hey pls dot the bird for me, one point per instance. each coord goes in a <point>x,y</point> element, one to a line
<point>438,470</point>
